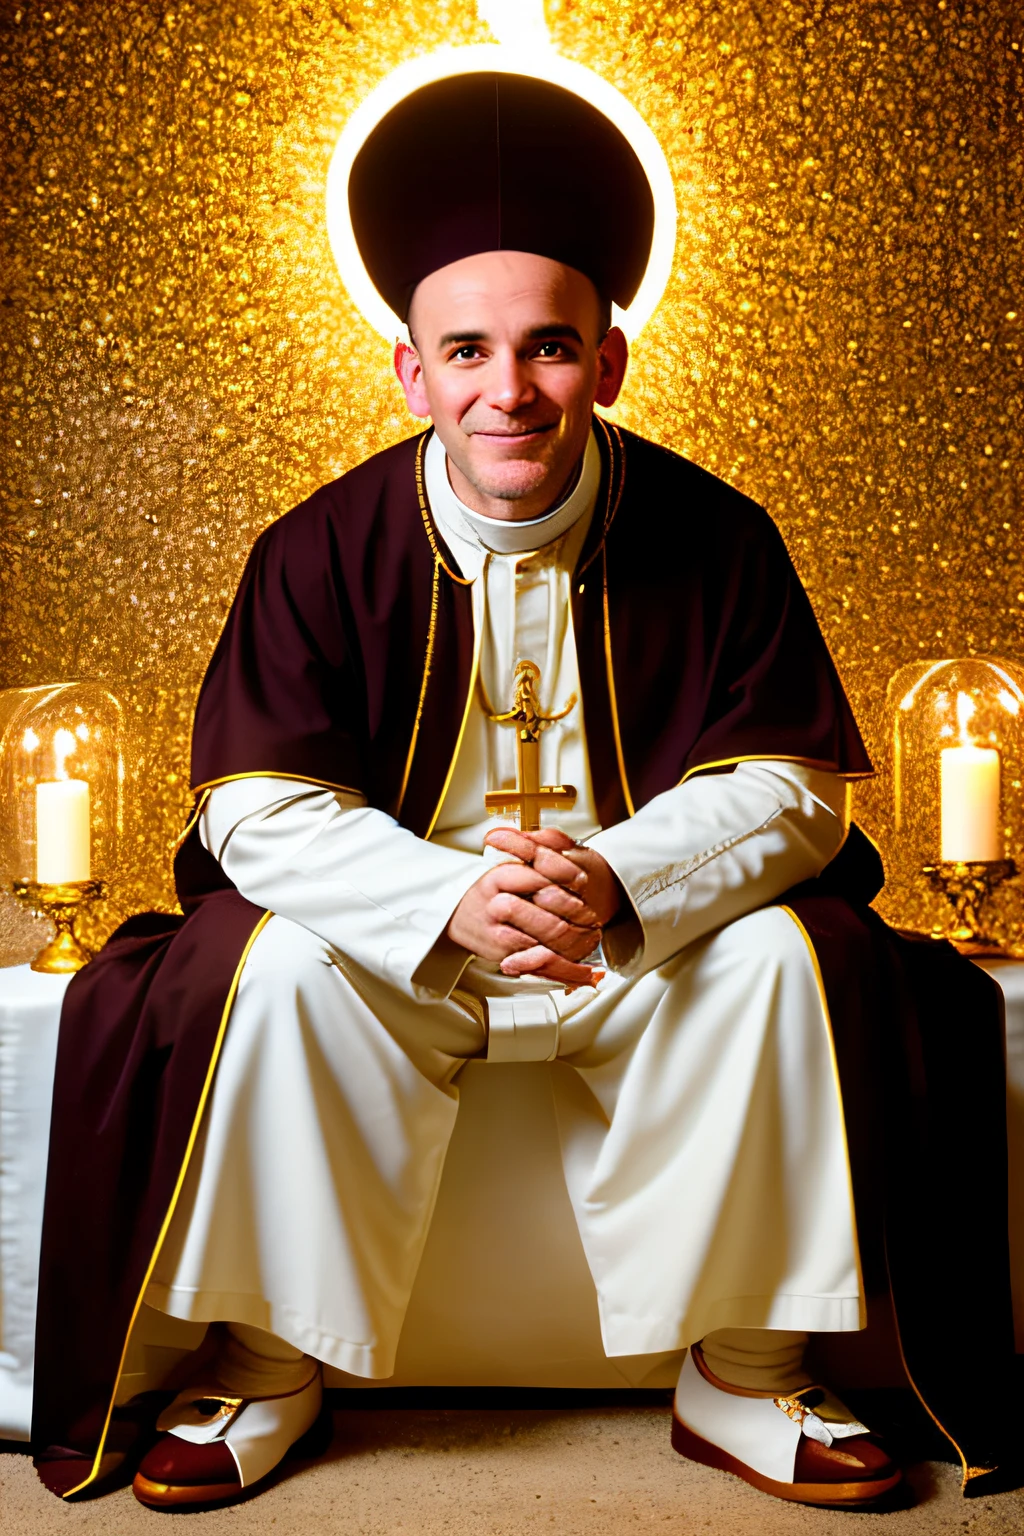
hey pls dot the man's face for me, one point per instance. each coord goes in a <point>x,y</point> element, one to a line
<point>508,361</point>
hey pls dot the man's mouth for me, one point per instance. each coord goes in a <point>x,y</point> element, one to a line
<point>523,434</point>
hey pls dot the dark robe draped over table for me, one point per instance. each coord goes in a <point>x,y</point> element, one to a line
<point>347,660</point>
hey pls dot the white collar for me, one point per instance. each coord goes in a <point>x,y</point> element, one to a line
<point>499,535</point>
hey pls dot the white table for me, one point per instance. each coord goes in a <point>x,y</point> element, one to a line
<point>503,1296</point>
<point>29,1015</point>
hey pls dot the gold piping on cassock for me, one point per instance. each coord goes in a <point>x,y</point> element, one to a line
<point>774,757</point>
<point>616,483</point>
<point>440,564</point>
<point>421,497</point>
<point>612,700</point>
<point>474,673</point>
<point>268,773</point>
<point>428,662</point>
<point>176,1194</point>
<point>969,1472</point>
<point>192,819</point>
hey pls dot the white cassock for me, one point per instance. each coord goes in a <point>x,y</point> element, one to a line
<point>702,1131</point>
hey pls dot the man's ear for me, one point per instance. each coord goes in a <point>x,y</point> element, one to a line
<point>410,375</point>
<point>612,357</point>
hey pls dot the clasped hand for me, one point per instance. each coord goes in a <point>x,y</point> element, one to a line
<point>542,915</point>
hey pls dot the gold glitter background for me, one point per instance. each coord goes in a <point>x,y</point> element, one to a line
<point>180,362</point>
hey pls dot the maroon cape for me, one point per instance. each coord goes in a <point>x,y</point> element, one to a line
<point>347,660</point>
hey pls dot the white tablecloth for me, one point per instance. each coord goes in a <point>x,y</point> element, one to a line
<point>502,1298</point>
<point>29,1015</point>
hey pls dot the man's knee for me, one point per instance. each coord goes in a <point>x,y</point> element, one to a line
<point>286,958</point>
<point>768,937</point>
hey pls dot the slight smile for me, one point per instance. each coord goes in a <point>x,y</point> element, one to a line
<point>518,437</point>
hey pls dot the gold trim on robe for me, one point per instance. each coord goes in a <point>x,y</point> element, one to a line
<point>474,673</point>
<point>97,1466</point>
<point>612,700</point>
<point>772,757</point>
<point>428,522</point>
<point>266,773</point>
<point>968,1471</point>
<point>440,564</point>
<point>428,662</point>
<point>194,818</point>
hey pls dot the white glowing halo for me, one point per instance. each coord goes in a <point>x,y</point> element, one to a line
<point>542,64</point>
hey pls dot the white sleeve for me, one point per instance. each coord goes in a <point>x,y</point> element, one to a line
<point>714,848</point>
<point>350,874</point>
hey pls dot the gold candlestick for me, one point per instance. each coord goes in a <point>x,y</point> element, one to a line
<point>61,904</point>
<point>967,887</point>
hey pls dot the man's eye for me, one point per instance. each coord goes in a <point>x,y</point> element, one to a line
<point>466,354</point>
<point>550,349</point>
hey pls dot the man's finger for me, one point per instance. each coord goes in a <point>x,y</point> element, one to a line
<point>511,840</point>
<point>551,837</point>
<point>545,964</point>
<point>509,940</point>
<point>522,878</point>
<point>555,898</point>
<point>524,845</point>
<point>560,868</point>
<point>548,861</point>
<point>509,910</point>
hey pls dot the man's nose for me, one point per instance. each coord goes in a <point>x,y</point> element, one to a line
<point>510,384</point>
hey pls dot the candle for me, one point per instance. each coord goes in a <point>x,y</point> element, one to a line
<point>969,797</point>
<point>62,831</point>
<point>63,825</point>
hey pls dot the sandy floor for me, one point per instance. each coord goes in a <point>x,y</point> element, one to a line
<point>503,1472</point>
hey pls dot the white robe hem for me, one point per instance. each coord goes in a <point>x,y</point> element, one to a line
<point>371,1361</point>
<point>624,1335</point>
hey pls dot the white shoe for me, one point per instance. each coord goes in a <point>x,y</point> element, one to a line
<point>806,1446</point>
<point>214,1447</point>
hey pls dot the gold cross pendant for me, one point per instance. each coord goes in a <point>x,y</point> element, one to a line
<point>530,796</point>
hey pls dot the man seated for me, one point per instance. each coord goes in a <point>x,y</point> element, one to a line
<point>276,1076</point>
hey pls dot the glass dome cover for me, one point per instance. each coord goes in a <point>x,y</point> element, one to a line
<point>957,734</point>
<point>958,759</point>
<point>61,783</point>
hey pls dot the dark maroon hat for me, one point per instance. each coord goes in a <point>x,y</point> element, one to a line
<point>493,162</point>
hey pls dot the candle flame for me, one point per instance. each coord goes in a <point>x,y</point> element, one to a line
<point>63,746</point>
<point>30,741</point>
<point>82,731</point>
<point>965,708</point>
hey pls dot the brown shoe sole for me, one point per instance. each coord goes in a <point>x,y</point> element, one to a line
<point>833,1495</point>
<point>314,1443</point>
<point>181,1495</point>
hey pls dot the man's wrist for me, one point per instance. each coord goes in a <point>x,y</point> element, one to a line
<point>442,966</point>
